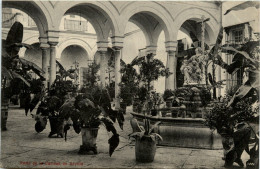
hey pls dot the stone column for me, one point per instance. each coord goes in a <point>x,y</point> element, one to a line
<point>117,77</point>
<point>53,39</point>
<point>172,64</point>
<point>45,63</point>
<point>102,49</point>
<point>52,62</point>
<point>45,58</point>
<point>117,42</point>
<point>170,81</point>
<point>103,67</point>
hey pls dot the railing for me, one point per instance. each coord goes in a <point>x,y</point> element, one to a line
<point>75,25</point>
<point>8,19</point>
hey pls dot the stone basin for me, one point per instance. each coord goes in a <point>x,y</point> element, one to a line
<point>182,132</point>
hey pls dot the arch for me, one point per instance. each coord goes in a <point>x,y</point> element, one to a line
<point>196,13</point>
<point>104,9</point>
<point>154,9</point>
<point>74,41</point>
<point>33,10</point>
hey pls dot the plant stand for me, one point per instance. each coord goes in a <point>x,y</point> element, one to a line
<point>89,137</point>
<point>57,126</point>
<point>145,149</point>
<point>4,113</point>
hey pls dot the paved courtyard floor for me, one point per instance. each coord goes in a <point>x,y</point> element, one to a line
<point>22,147</point>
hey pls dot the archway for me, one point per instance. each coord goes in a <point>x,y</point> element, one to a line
<point>72,54</point>
<point>31,9</point>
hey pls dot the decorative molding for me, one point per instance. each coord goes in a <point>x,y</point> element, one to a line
<point>53,37</point>
<point>102,46</point>
<point>117,42</point>
<point>171,45</point>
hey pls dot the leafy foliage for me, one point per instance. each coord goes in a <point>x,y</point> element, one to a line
<point>147,130</point>
<point>224,118</point>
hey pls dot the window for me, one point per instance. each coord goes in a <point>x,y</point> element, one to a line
<point>75,25</point>
<point>238,35</point>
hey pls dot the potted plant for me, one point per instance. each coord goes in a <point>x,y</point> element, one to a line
<point>15,70</point>
<point>88,110</point>
<point>243,105</point>
<point>167,97</point>
<point>150,69</point>
<point>156,102</point>
<point>129,84</point>
<point>145,145</point>
<point>54,98</point>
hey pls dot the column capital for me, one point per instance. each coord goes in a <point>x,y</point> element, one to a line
<point>52,44</point>
<point>117,42</point>
<point>53,37</point>
<point>44,42</point>
<point>171,45</point>
<point>151,49</point>
<point>44,45</point>
<point>102,46</point>
<point>171,52</point>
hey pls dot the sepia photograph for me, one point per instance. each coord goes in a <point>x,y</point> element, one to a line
<point>130,84</point>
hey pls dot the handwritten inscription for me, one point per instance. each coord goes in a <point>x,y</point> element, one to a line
<point>51,163</point>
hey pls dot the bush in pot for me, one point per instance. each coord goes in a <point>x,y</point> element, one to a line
<point>129,84</point>
<point>88,110</point>
<point>241,102</point>
<point>50,104</point>
<point>150,69</point>
<point>145,146</point>
<point>15,70</point>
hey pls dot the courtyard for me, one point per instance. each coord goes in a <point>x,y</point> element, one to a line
<point>130,84</point>
<point>22,147</point>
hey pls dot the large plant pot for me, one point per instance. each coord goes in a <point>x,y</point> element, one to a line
<point>4,113</point>
<point>145,149</point>
<point>57,125</point>
<point>89,137</point>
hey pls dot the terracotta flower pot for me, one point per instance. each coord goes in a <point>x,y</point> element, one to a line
<point>57,126</point>
<point>89,137</point>
<point>145,149</point>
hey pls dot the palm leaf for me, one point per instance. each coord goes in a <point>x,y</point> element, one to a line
<point>243,53</point>
<point>28,65</point>
<point>16,75</point>
<point>155,125</point>
<point>15,35</point>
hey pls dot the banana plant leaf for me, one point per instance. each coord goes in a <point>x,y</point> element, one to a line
<point>67,109</point>
<point>64,73</point>
<point>15,35</point>
<point>214,51</point>
<point>27,65</point>
<point>232,50</point>
<point>113,143</point>
<point>16,75</point>
<point>109,125</point>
